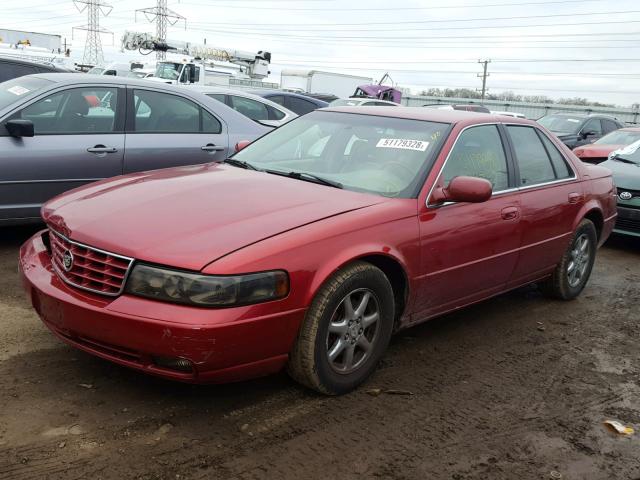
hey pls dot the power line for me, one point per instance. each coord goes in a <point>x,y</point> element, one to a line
<point>161,15</point>
<point>93,43</point>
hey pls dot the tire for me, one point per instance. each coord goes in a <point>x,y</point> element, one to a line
<point>572,273</point>
<point>331,327</point>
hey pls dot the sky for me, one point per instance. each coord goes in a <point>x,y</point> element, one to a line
<point>562,48</point>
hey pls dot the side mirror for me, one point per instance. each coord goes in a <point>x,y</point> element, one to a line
<point>464,190</point>
<point>588,134</point>
<point>20,128</point>
<point>242,144</point>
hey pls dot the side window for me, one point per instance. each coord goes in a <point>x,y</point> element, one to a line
<point>533,161</point>
<point>249,108</point>
<point>592,125</point>
<point>74,111</point>
<point>217,96</point>
<point>157,112</point>
<point>274,113</point>
<point>10,70</point>
<point>210,124</point>
<point>609,126</point>
<point>300,106</point>
<point>279,99</point>
<point>110,72</point>
<point>478,152</point>
<point>557,160</point>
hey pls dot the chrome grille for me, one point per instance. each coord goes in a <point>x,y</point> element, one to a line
<point>91,269</point>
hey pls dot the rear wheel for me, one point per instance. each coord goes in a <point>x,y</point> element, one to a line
<point>345,331</point>
<point>573,271</point>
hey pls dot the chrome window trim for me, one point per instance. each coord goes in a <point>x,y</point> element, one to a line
<point>104,252</point>
<point>444,164</point>
<point>509,190</point>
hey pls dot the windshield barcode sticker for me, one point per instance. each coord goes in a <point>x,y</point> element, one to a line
<point>18,90</point>
<point>403,144</point>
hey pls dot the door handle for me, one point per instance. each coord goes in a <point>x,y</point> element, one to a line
<point>510,213</point>
<point>210,147</point>
<point>102,149</point>
<point>575,197</point>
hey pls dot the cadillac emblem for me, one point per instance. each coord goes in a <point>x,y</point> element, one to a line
<point>625,195</point>
<point>67,260</point>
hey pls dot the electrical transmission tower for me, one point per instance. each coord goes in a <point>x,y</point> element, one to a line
<point>484,75</point>
<point>162,16</point>
<point>93,43</point>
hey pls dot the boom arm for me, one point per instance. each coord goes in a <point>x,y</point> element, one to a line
<point>256,64</point>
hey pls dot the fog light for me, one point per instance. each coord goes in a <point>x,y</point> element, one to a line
<point>172,363</point>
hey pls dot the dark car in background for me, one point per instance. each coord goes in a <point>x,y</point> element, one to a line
<point>60,131</point>
<point>299,104</point>
<point>625,165</point>
<point>14,67</point>
<point>575,129</point>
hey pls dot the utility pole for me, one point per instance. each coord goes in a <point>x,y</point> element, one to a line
<point>484,76</point>
<point>93,43</point>
<point>162,16</point>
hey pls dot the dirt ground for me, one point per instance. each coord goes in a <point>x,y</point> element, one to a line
<point>514,388</point>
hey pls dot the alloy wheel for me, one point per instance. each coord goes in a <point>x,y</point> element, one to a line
<point>579,259</point>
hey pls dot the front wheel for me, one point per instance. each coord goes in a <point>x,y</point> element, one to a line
<point>573,271</point>
<point>345,331</point>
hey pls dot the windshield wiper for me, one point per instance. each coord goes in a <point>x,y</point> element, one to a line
<point>239,163</point>
<point>308,177</point>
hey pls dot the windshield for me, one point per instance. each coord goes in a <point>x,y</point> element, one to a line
<point>619,137</point>
<point>13,90</point>
<point>630,153</point>
<point>168,70</point>
<point>561,123</point>
<point>382,155</point>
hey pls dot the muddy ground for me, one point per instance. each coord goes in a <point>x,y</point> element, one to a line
<point>514,388</point>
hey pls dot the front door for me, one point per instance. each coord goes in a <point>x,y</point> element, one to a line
<point>165,130</point>
<point>469,250</point>
<point>79,138</point>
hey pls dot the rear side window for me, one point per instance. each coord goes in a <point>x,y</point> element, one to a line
<point>249,108</point>
<point>558,162</point>
<point>478,152</point>
<point>300,106</point>
<point>156,112</point>
<point>535,164</point>
<point>217,96</point>
<point>609,125</point>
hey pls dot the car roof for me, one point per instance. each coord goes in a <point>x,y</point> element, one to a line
<point>430,115</point>
<point>206,89</point>
<point>583,115</point>
<point>30,63</point>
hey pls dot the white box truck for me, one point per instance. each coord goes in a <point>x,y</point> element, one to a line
<point>315,81</point>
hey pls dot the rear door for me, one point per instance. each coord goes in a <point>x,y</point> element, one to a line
<point>167,130</point>
<point>79,138</point>
<point>551,197</point>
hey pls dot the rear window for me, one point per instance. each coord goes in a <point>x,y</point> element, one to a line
<point>16,89</point>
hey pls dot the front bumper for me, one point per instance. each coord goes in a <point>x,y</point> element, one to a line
<point>628,221</point>
<point>222,345</point>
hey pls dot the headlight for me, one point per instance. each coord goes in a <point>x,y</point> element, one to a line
<point>206,290</point>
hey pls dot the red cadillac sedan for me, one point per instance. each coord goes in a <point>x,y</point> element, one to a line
<point>312,245</point>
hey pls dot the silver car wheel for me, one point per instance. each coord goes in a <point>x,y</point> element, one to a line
<point>353,331</point>
<point>579,259</point>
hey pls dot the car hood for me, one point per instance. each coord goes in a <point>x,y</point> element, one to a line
<point>625,175</point>
<point>591,151</point>
<point>188,217</point>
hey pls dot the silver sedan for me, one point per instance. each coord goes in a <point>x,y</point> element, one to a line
<point>59,131</point>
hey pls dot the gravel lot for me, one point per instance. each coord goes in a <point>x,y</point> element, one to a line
<point>514,388</point>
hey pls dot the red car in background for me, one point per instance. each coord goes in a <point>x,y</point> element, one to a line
<point>599,151</point>
<point>315,243</point>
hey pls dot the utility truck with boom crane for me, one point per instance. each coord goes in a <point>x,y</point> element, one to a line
<point>200,68</point>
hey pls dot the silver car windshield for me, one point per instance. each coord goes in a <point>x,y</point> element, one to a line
<point>383,155</point>
<point>15,89</point>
